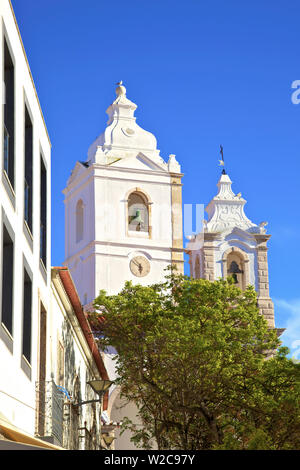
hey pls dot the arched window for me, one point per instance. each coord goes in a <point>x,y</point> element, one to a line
<point>138,212</point>
<point>79,220</point>
<point>236,268</point>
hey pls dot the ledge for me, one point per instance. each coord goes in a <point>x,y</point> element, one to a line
<point>28,234</point>
<point>9,189</point>
<point>26,367</point>
<point>7,338</point>
<point>43,270</point>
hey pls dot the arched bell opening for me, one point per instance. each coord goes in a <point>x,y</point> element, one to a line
<point>138,213</point>
<point>235,264</point>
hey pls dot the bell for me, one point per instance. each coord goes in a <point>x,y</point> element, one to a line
<point>138,219</point>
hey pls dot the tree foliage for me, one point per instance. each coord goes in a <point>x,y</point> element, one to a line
<point>202,366</point>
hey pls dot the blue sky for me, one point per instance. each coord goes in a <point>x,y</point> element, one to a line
<point>202,74</point>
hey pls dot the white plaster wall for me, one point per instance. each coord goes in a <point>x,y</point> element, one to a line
<point>17,390</point>
<point>84,191</point>
<point>111,190</point>
<point>121,408</point>
<point>101,260</point>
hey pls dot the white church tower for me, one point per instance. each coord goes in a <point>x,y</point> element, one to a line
<point>123,208</point>
<point>230,244</point>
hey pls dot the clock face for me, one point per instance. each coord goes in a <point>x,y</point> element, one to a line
<point>140,266</point>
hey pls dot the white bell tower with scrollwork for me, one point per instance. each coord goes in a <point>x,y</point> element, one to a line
<point>230,244</point>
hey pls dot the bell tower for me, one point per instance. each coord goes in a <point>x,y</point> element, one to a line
<point>230,244</point>
<point>123,209</point>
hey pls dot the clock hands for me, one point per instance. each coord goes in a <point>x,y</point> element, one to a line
<point>139,265</point>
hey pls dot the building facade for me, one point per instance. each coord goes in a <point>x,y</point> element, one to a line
<point>47,351</point>
<point>73,361</point>
<point>25,158</point>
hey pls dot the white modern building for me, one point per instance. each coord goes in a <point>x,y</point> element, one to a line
<point>24,228</point>
<point>47,351</point>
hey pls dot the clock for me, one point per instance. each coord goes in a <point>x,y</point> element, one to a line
<point>140,266</point>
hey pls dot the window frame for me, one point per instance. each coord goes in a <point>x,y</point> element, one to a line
<point>148,204</point>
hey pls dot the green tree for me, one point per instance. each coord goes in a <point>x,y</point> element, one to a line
<point>202,366</point>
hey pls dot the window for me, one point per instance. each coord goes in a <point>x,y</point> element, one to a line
<point>6,150</point>
<point>43,214</point>
<point>27,320</point>
<point>28,170</point>
<point>7,280</point>
<point>138,213</point>
<point>79,220</point>
<point>9,116</point>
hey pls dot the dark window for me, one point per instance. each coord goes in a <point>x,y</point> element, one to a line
<point>7,280</point>
<point>79,220</point>
<point>9,116</point>
<point>28,170</point>
<point>43,231</point>
<point>27,303</point>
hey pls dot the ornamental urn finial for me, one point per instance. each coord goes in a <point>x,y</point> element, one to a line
<point>120,90</point>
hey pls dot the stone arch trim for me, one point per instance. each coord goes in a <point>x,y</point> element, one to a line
<point>244,260</point>
<point>148,202</point>
<point>141,191</point>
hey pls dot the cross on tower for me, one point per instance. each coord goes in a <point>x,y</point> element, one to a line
<point>222,163</point>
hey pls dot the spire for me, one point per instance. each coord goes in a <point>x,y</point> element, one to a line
<point>123,137</point>
<point>122,107</point>
<point>226,210</point>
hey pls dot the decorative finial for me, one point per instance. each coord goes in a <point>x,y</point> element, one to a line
<point>222,163</point>
<point>120,90</point>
